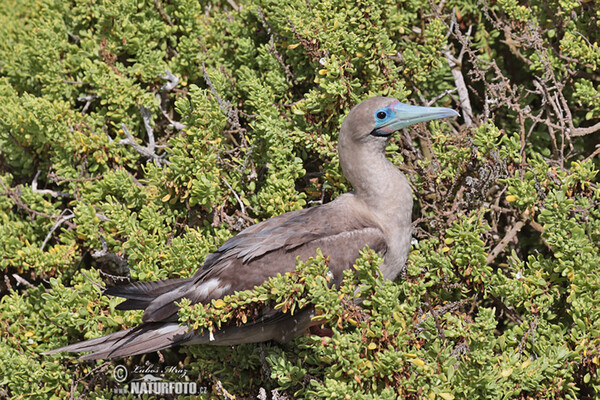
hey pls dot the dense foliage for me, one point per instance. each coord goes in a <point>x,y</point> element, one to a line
<point>138,135</point>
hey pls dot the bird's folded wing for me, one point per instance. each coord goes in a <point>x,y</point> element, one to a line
<point>260,252</point>
<point>295,229</point>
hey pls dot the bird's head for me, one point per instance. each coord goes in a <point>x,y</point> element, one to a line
<point>375,119</point>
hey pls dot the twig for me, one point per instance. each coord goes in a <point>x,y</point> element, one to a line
<point>23,281</point>
<point>245,217</point>
<point>440,311</point>
<point>148,151</point>
<point>55,226</point>
<point>232,113</point>
<point>59,180</point>
<point>455,64</point>
<point>594,154</point>
<point>262,393</point>
<point>290,77</point>
<point>263,359</point>
<point>224,105</point>
<point>233,5</point>
<point>435,317</point>
<point>505,241</point>
<point>61,327</point>
<point>99,286</point>
<point>88,100</point>
<point>585,131</point>
<point>114,278</point>
<point>240,202</point>
<point>514,317</point>
<point>172,82</point>
<point>162,13</point>
<point>460,349</point>
<point>530,332</point>
<point>102,367</point>
<point>34,187</point>
<point>19,203</point>
<point>71,82</point>
<point>439,96</point>
<point>146,117</point>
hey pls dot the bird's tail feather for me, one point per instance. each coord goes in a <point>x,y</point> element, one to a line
<point>140,294</point>
<point>145,338</point>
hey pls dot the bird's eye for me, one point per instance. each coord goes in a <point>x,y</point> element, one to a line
<point>381,115</point>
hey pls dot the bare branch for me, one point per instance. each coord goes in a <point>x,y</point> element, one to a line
<point>594,154</point>
<point>224,105</point>
<point>22,281</point>
<point>455,64</point>
<point>530,332</point>
<point>240,202</point>
<point>505,241</point>
<point>162,13</point>
<point>233,5</point>
<point>585,131</point>
<point>56,225</point>
<point>439,96</point>
<point>99,286</point>
<point>232,113</point>
<point>172,82</point>
<point>290,77</point>
<point>52,193</point>
<point>15,196</point>
<point>148,151</point>
<point>88,100</point>
<point>219,388</point>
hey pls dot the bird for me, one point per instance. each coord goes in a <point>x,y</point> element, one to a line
<point>376,213</point>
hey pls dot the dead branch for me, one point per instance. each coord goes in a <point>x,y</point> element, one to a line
<point>22,281</point>
<point>172,82</point>
<point>56,225</point>
<point>509,311</point>
<point>240,202</point>
<point>233,5</point>
<point>88,101</point>
<point>290,77</point>
<point>99,286</point>
<point>162,13</point>
<point>439,312</point>
<point>15,196</point>
<point>504,242</point>
<point>53,193</point>
<point>148,151</point>
<point>530,333</point>
<point>219,388</point>
<point>455,64</point>
<point>574,132</point>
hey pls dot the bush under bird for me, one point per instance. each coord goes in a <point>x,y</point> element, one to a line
<point>377,213</point>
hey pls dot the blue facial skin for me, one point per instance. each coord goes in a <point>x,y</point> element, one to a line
<point>399,115</point>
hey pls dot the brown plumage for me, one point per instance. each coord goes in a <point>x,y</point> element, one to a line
<point>377,213</point>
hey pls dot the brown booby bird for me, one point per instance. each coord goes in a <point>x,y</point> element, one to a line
<point>377,213</point>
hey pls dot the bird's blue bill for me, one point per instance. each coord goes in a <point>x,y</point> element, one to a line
<point>399,115</point>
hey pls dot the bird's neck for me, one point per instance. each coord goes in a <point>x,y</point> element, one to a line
<point>385,193</point>
<point>377,182</point>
